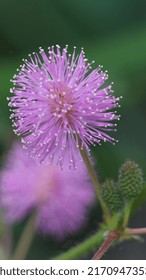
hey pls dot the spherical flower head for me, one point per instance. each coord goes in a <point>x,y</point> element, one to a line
<point>61,198</point>
<point>58,104</point>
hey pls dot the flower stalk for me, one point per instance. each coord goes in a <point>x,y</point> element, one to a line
<point>25,240</point>
<point>95,183</point>
<point>126,213</point>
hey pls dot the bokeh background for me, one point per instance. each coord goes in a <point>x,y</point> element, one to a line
<point>113,33</point>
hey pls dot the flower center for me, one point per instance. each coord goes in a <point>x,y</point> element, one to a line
<point>62,104</point>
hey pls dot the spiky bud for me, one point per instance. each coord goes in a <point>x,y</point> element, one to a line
<point>130,179</point>
<point>111,195</point>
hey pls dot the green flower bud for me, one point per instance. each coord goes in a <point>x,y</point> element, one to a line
<point>111,195</point>
<point>130,179</point>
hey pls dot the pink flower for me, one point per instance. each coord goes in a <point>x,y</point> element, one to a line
<point>61,198</point>
<point>57,102</point>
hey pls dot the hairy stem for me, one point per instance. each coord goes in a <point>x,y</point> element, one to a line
<point>105,246</point>
<point>25,240</point>
<point>83,248</point>
<point>95,183</point>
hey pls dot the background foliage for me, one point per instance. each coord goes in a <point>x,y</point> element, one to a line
<point>113,34</point>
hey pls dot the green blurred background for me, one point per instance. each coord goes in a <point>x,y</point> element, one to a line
<point>113,34</point>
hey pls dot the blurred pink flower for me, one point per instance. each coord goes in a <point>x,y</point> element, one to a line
<point>61,198</point>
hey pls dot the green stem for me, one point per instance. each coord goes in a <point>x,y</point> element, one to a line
<point>25,240</point>
<point>83,248</point>
<point>95,183</point>
<point>126,214</point>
